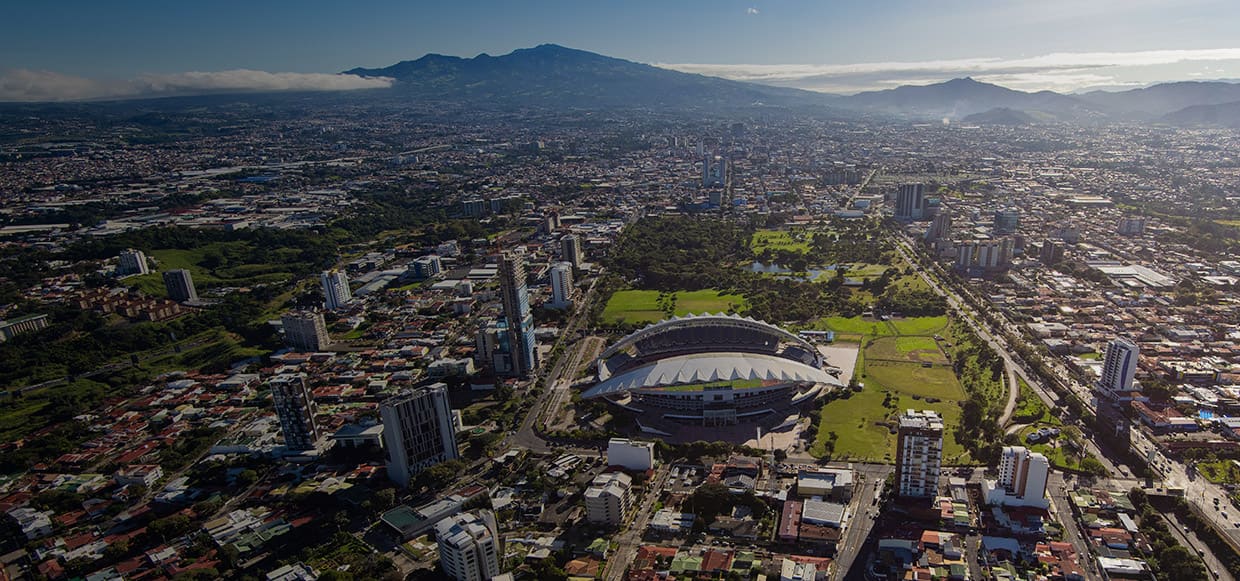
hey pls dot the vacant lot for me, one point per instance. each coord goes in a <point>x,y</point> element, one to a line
<point>639,306</point>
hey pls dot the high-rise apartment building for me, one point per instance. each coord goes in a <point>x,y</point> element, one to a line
<point>919,453</point>
<point>608,498</point>
<point>571,251</point>
<point>516,299</point>
<point>1052,252</point>
<point>551,221</point>
<point>474,208</point>
<point>714,171</point>
<point>940,228</point>
<point>910,202</point>
<point>562,286</point>
<point>305,331</point>
<point>418,431</point>
<point>470,548</point>
<point>425,267</point>
<point>295,410</point>
<point>132,262</point>
<point>1119,368</point>
<point>1006,221</point>
<point>1022,478</point>
<point>180,285</point>
<point>336,293</point>
<point>1131,225</point>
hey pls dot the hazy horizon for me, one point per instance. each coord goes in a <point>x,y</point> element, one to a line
<point>80,50</point>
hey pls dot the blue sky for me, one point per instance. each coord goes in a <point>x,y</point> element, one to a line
<point>110,44</point>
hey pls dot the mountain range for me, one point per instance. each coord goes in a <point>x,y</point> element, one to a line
<point>554,76</point>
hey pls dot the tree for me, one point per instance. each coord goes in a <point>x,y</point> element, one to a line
<point>170,527</point>
<point>385,499</point>
<point>247,477</point>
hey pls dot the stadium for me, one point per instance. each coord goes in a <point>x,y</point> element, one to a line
<point>711,370</point>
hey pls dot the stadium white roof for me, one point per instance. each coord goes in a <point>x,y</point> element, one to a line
<point>711,367</point>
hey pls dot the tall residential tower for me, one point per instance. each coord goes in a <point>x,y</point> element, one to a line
<point>335,289</point>
<point>418,431</point>
<point>520,321</point>
<point>180,285</point>
<point>296,410</point>
<point>919,453</point>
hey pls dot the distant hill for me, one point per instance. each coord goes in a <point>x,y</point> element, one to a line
<point>1001,116</point>
<point>1222,115</point>
<point>553,75</point>
<point>959,98</point>
<point>1159,100</point>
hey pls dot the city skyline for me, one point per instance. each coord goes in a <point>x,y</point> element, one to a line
<point>53,54</point>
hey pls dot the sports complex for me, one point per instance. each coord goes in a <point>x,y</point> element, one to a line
<point>711,370</point>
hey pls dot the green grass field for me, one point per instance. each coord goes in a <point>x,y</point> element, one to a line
<point>853,326</point>
<point>865,271</point>
<point>1056,451</point>
<point>919,325</point>
<point>1031,409</point>
<point>865,430</point>
<point>798,241</point>
<point>641,306</point>
<point>211,267</point>
<point>907,349</point>
<point>891,361</point>
<point>219,350</point>
<point>913,379</point>
<point>1220,471</point>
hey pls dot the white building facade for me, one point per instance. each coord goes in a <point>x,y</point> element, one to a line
<point>630,454</point>
<point>470,547</point>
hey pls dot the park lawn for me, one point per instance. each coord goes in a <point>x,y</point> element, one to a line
<point>780,240</point>
<point>913,379</point>
<point>1220,471</point>
<point>907,349</point>
<point>1031,409</point>
<point>1053,450</point>
<point>865,430</point>
<point>924,326</point>
<point>854,326</point>
<point>642,306</point>
<point>911,344</point>
<point>863,271</point>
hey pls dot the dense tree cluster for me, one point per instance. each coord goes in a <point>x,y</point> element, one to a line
<point>1170,559</point>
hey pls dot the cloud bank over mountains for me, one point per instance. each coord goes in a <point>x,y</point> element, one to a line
<point>1062,72</point>
<point>32,85</point>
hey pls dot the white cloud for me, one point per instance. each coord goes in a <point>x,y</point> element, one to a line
<point>31,85</point>
<point>751,10</point>
<point>1055,71</point>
